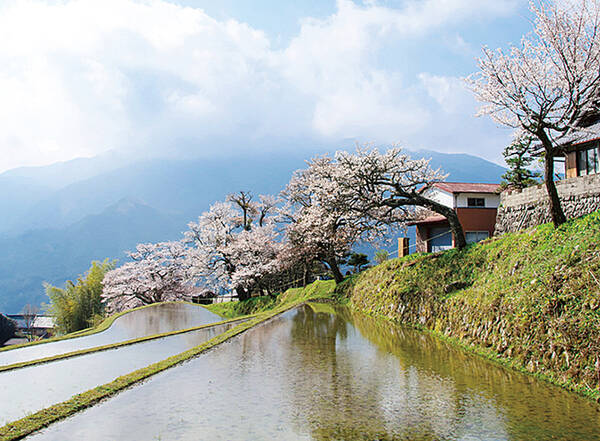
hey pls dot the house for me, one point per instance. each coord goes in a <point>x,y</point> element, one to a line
<point>476,206</point>
<point>36,325</point>
<point>582,156</point>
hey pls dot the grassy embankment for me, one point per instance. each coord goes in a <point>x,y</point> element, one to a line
<point>324,289</point>
<point>42,418</point>
<point>529,300</point>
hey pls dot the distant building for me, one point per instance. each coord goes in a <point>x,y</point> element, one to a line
<point>476,206</point>
<point>39,325</point>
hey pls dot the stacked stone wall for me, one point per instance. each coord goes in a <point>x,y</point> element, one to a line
<point>529,207</point>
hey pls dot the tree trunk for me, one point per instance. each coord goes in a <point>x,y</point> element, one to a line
<point>335,269</point>
<point>242,293</point>
<point>556,211</point>
<point>448,213</point>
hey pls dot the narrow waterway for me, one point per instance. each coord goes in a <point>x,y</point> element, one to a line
<point>156,319</point>
<point>319,373</point>
<point>36,387</point>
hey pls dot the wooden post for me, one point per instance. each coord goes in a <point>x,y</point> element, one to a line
<point>403,246</point>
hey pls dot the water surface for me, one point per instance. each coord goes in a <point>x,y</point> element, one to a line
<point>155,319</point>
<point>319,373</point>
<point>36,387</point>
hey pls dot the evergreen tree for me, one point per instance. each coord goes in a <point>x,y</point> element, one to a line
<point>518,158</point>
<point>357,261</point>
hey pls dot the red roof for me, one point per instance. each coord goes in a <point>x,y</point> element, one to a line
<point>467,187</point>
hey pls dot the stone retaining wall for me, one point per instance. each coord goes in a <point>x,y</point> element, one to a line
<point>529,207</point>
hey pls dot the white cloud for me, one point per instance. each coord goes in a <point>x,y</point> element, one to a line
<point>80,76</point>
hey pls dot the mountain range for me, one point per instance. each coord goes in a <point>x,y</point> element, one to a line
<point>58,218</point>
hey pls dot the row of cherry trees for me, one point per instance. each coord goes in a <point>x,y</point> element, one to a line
<point>244,245</point>
<point>547,88</point>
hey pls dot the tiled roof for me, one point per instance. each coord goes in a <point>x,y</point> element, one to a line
<point>467,187</point>
<point>586,134</point>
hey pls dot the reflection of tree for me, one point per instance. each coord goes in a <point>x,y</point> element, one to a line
<point>478,390</point>
<point>332,392</point>
<point>163,318</point>
<point>349,376</point>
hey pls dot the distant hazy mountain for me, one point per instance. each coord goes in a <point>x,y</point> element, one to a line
<point>55,255</point>
<point>24,187</point>
<point>57,219</point>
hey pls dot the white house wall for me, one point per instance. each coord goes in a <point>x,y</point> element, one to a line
<point>441,196</point>
<point>491,200</point>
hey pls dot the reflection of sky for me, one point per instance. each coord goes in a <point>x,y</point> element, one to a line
<point>36,387</point>
<point>148,321</point>
<point>315,376</point>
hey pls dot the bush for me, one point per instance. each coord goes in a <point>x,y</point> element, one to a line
<point>7,329</point>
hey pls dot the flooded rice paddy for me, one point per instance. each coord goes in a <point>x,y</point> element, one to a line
<point>156,319</point>
<point>323,373</point>
<point>36,387</point>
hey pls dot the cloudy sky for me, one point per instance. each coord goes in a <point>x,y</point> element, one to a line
<point>201,78</point>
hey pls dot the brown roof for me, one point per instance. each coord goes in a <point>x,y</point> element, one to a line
<point>467,187</point>
<point>587,134</point>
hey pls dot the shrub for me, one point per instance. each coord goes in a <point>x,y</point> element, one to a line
<point>78,305</point>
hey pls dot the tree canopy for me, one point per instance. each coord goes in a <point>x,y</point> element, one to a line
<point>545,86</point>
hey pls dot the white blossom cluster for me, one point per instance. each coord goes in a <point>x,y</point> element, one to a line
<point>545,85</point>
<point>157,273</point>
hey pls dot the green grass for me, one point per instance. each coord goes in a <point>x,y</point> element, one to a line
<point>103,326</point>
<point>529,300</point>
<point>250,306</point>
<point>321,289</point>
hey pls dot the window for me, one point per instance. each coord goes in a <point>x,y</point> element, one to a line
<point>588,161</point>
<point>476,236</point>
<point>475,202</point>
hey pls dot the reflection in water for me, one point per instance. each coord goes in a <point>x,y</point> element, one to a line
<point>36,387</point>
<point>155,319</point>
<point>315,375</point>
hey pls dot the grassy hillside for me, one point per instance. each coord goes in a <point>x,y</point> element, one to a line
<point>529,299</point>
<point>321,289</point>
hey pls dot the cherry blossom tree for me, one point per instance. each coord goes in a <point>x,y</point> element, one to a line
<point>390,187</point>
<point>547,85</point>
<point>255,254</point>
<point>322,224</point>
<point>235,244</point>
<point>157,273</point>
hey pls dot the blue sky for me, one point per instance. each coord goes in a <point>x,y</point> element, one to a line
<point>203,78</point>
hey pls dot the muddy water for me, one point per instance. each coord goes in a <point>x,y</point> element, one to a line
<point>318,373</point>
<point>148,321</point>
<point>36,387</point>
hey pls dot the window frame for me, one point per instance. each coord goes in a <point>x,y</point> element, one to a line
<point>469,200</point>
<point>588,160</point>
